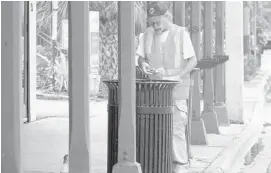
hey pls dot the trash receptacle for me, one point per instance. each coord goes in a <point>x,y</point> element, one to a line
<point>154,113</point>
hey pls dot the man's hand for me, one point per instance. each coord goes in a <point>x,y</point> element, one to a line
<point>145,68</point>
<point>159,71</point>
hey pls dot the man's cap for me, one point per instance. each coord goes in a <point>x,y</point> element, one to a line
<point>156,9</point>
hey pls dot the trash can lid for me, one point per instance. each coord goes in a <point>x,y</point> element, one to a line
<point>151,81</point>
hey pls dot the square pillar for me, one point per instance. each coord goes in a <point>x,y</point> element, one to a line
<point>235,65</point>
<point>198,131</point>
<point>79,133</point>
<point>209,116</point>
<point>127,91</point>
<point>11,114</point>
<point>179,13</point>
<point>219,86</point>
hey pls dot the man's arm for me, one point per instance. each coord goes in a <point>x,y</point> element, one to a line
<point>189,56</point>
<point>140,52</point>
<point>190,65</point>
<point>144,46</point>
<point>142,61</point>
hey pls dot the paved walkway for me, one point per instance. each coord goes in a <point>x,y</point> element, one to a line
<point>45,142</point>
<point>203,156</point>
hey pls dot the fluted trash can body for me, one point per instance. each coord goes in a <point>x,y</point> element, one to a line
<point>154,116</point>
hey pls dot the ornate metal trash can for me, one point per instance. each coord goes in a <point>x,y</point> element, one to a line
<point>154,113</point>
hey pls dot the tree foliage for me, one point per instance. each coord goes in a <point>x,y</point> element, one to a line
<point>108,11</point>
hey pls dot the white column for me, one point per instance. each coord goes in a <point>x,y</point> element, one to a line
<point>220,107</point>
<point>11,86</point>
<point>79,135</point>
<point>127,91</point>
<point>31,102</point>
<point>235,65</point>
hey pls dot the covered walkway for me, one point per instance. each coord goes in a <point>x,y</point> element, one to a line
<point>40,145</point>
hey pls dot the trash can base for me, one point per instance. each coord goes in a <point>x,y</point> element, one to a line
<point>124,167</point>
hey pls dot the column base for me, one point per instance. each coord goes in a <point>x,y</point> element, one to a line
<point>210,122</point>
<point>198,132</point>
<point>222,114</point>
<point>124,167</point>
<point>31,118</point>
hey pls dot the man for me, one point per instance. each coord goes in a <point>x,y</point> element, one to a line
<point>166,52</point>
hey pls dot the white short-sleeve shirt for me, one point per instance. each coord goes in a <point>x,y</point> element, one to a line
<point>188,49</point>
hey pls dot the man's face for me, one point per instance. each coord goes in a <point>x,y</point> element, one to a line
<point>158,23</point>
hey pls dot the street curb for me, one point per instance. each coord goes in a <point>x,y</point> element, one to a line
<point>45,96</point>
<point>233,156</point>
<point>42,96</point>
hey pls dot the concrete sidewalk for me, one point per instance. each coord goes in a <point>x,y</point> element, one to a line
<point>204,156</point>
<point>245,136</point>
<point>45,142</point>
